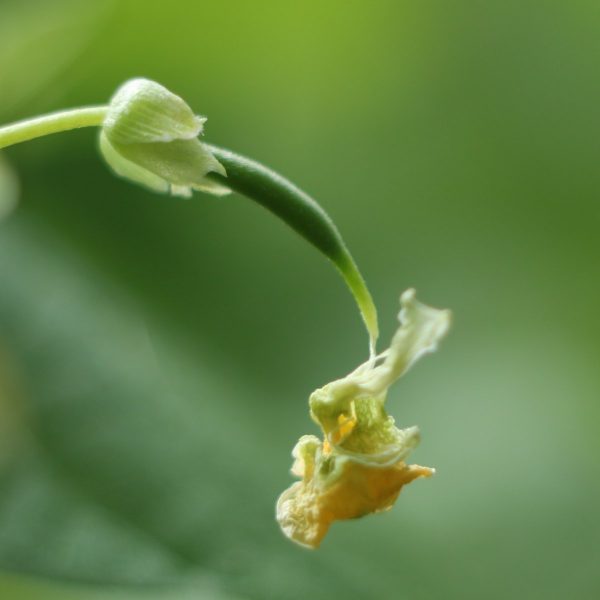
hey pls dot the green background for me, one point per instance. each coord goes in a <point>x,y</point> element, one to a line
<point>156,354</point>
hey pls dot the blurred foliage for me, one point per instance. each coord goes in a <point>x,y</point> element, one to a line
<point>8,189</point>
<point>156,354</point>
<point>39,41</point>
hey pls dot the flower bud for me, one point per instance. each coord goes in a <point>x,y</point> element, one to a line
<point>150,136</point>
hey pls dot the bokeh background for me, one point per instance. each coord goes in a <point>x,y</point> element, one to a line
<point>156,354</point>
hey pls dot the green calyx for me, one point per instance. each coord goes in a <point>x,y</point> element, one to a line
<point>351,411</point>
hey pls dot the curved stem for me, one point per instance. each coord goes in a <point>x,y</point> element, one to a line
<point>29,129</point>
<point>248,177</point>
<point>302,214</point>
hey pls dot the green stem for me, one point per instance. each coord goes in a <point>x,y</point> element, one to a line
<point>302,214</point>
<point>247,177</point>
<point>29,129</point>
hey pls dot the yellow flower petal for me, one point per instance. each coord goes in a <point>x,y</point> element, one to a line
<point>306,510</point>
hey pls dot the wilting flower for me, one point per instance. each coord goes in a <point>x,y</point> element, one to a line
<point>150,136</point>
<point>359,468</point>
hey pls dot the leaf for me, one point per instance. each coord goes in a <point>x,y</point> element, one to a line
<point>21,588</point>
<point>120,473</point>
<point>8,189</point>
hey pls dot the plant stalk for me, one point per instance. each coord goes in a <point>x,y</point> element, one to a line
<point>29,129</point>
<point>247,177</point>
<point>303,215</point>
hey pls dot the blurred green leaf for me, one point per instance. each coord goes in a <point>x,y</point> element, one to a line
<point>8,189</point>
<point>118,476</point>
<point>21,588</point>
<point>38,41</point>
<point>65,510</point>
<point>456,144</point>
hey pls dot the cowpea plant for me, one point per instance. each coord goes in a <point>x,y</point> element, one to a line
<point>150,136</point>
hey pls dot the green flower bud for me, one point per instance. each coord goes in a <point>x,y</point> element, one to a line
<point>359,468</point>
<point>150,136</point>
